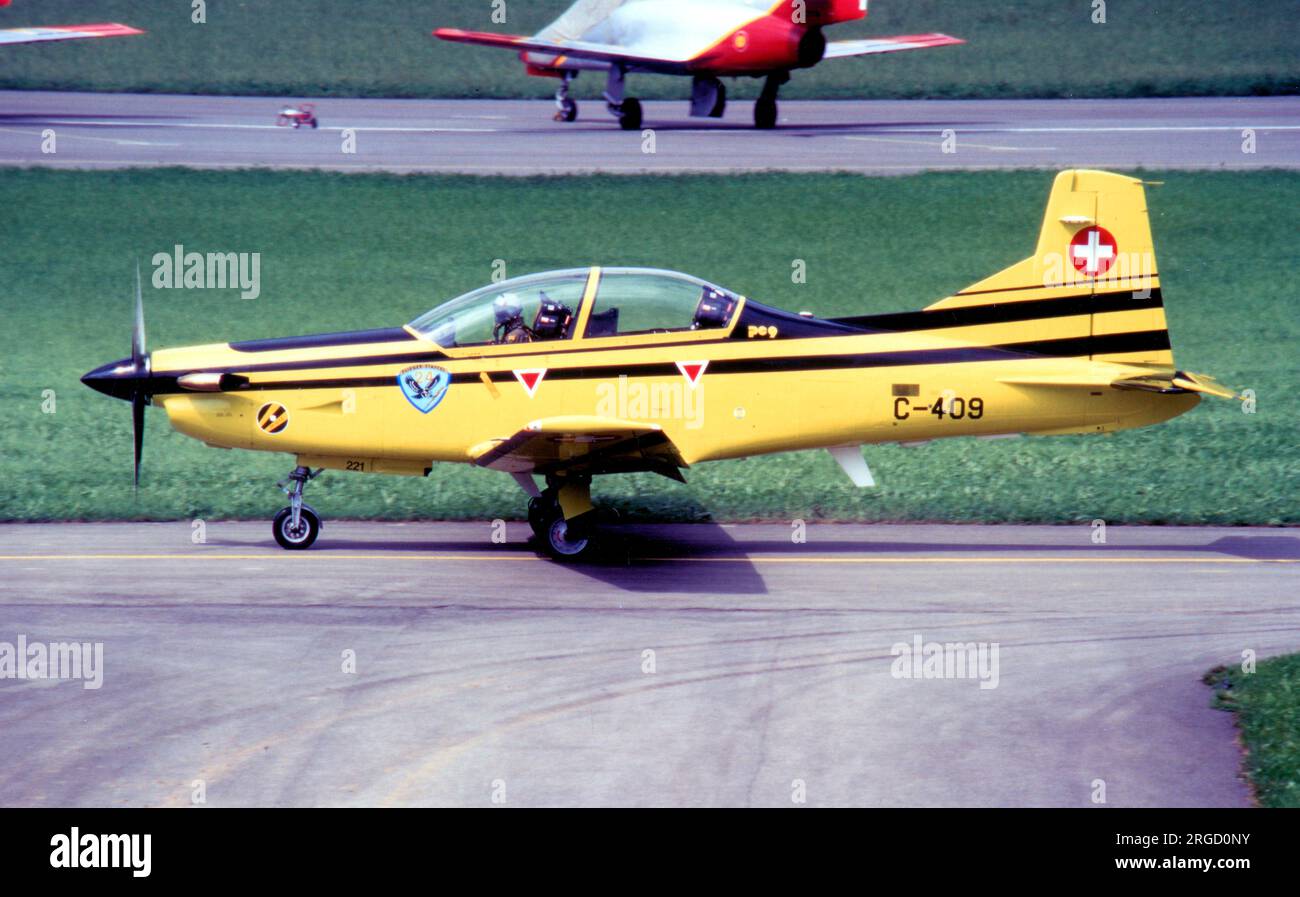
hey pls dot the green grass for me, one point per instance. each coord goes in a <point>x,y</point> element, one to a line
<point>1267,704</point>
<point>1016,48</point>
<point>344,252</point>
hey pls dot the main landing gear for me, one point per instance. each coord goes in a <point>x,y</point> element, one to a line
<point>563,519</point>
<point>297,526</point>
<point>765,106</point>
<point>626,109</point>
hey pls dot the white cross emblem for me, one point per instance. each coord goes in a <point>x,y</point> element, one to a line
<point>1094,257</point>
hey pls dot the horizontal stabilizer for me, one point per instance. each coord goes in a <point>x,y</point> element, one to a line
<point>840,48</point>
<point>1163,381</point>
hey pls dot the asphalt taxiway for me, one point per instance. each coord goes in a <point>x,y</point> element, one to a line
<point>517,137</point>
<point>700,665</point>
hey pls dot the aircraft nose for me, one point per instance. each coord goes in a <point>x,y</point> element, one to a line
<point>118,379</point>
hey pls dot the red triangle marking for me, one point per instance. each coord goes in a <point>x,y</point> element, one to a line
<point>530,379</point>
<point>692,370</point>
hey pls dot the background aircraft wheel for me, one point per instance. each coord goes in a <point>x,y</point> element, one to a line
<point>568,540</point>
<point>765,113</point>
<point>568,110</point>
<point>300,538</point>
<point>314,124</point>
<point>629,114</point>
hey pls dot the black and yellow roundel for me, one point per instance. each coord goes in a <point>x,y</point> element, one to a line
<point>273,418</point>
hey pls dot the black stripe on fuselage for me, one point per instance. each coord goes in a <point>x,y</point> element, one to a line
<point>1007,312</point>
<point>319,340</point>
<point>1075,347</point>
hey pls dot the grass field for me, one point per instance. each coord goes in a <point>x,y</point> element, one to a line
<point>1016,48</point>
<point>345,252</point>
<point>1267,704</point>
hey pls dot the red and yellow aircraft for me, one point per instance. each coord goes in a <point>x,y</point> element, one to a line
<point>704,39</point>
<point>572,374</point>
<point>63,32</point>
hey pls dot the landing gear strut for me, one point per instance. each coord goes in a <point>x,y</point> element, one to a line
<point>765,105</point>
<point>563,520</point>
<point>566,109</point>
<point>626,109</point>
<point>297,526</point>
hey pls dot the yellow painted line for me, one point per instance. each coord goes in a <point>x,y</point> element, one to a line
<point>399,556</point>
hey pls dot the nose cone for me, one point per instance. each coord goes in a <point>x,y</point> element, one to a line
<point>119,379</point>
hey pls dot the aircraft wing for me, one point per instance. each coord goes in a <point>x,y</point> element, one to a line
<point>590,444</point>
<point>64,32</point>
<point>575,49</point>
<point>838,48</point>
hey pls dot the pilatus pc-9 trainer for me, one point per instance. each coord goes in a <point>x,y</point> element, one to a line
<point>571,374</point>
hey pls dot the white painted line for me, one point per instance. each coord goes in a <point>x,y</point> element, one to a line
<point>232,126</point>
<point>961,144</point>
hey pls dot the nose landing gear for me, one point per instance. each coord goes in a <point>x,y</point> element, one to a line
<point>566,109</point>
<point>626,109</point>
<point>297,526</point>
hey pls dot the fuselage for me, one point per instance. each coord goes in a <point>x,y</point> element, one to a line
<point>765,381</point>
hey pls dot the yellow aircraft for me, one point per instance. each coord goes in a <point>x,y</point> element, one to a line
<point>570,374</point>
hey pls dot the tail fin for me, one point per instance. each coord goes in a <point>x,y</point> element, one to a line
<point>1096,264</point>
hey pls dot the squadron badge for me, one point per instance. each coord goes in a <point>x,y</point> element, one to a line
<point>424,386</point>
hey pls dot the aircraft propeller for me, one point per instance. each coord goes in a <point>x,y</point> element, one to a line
<point>140,362</point>
<point>129,378</point>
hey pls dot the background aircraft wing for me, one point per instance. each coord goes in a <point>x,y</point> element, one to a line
<point>64,32</point>
<point>838,48</point>
<point>590,444</point>
<point>575,49</point>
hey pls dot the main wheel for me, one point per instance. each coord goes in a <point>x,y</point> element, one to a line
<point>568,540</point>
<point>568,110</point>
<point>314,124</point>
<point>301,537</point>
<point>539,508</point>
<point>765,113</point>
<point>629,115</point>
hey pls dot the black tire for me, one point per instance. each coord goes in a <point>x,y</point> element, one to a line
<point>314,124</point>
<point>569,110</point>
<point>629,114</point>
<point>303,537</point>
<point>720,104</point>
<point>765,114</point>
<point>570,541</point>
<point>538,509</point>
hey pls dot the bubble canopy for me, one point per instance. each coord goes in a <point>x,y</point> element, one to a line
<point>624,301</point>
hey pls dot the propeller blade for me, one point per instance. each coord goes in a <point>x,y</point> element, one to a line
<point>140,361</point>
<point>137,427</point>
<point>137,332</point>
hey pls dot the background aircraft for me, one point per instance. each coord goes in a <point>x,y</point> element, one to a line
<point>572,374</point>
<point>63,32</point>
<point>704,39</point>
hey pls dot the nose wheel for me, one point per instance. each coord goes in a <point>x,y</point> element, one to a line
<point>296,527</point>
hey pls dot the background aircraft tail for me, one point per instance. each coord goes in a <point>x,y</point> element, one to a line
<point>1092,280</point>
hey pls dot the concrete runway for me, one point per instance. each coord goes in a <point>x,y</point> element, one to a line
<point>482,670</point>
<point>518,137</point>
